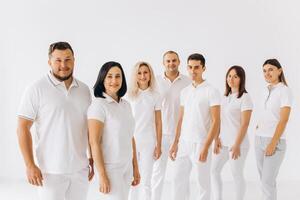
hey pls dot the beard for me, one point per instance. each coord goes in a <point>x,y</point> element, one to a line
<point>63,78</point>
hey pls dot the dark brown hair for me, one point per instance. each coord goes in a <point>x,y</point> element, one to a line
<point>59,46</point>
<point>198,57</point>
<point>240,72</point>
<point>277,64</point>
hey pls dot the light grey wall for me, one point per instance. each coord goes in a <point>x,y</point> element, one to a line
<point>226,32</point>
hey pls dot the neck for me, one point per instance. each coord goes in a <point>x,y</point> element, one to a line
<point>68,82</point>
<point>274,83</point>
<point>197,82</point>
<point>143,87</point>
<point>172,75</point>
<point>234,90</point>
<point>114,96</point>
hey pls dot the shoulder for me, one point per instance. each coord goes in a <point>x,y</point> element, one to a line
<point>211,88</point>
<point>245,96</point>
<point>37,85</point>
<point>83,87</point>
<point>285,90</point>
<point>187,88</point>
<point>185,78</point>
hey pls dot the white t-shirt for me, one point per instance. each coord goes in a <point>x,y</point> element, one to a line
<point>59,116</point>
<point>275,98</point>
<point>170,93</point>
<point>117,131</point>
<point>231,113</point>
<point>144,106</point>
<point>197,102</point>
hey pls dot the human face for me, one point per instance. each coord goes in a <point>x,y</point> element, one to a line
<point>62,64</point>
<point>113,81</point>
<point>195,69</point>
<point>171,62</point>
<point>143,77</point>
<point>233,80</point>
<point>271,73</point>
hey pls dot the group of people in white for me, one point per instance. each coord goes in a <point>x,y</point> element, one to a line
<point>130,135</point>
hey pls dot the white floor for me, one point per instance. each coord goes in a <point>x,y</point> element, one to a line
<point>20,190</point>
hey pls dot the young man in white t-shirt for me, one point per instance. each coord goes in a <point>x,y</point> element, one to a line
<point>57,104</point>
<point>169,84</point>
<point>198,123</point>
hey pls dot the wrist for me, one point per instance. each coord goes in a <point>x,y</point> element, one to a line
<point>30,165</point>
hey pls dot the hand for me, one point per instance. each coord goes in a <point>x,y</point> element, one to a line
<point>91,169</point>
<point>217,146</point>
<point>270,150</point>
<point>136,176</point>
<point>235,152</point>
<point>173,151</point>
<point>203,154</point>
<point>34,175</point>
<point>104,184</point>
<point>157,152</point>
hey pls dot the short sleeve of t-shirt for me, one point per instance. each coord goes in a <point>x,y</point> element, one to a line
<point>214,97</point>
<point>96,110</point>
<point>286,97</point>
<point>29,104</point>
<point>246,102</point>
<point>158,101</point>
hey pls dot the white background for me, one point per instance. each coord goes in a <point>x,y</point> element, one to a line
<point>227,32</point>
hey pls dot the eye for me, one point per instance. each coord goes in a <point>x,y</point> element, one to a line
<point>139,73</point>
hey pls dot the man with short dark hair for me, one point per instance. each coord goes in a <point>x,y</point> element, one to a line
<point>198,124</point>
<point>57,104</point>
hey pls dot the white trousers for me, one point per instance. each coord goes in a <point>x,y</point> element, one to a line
<point>237,170</point>
<point>120,179</point>
<point>64,186</point>
<point>268,166</point>
<point>159,168</point>
<point>145,162</point>
<point>188,157</point>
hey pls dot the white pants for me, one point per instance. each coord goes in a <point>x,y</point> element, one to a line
<point>65,186</point>
<point>120,179</point>
<point>268,166</point>
<point>145,162</point>
<point>188,156</point>
<point>159,168</point>
<point>237,170</point>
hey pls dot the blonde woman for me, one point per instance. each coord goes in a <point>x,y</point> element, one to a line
<point>146,106</point>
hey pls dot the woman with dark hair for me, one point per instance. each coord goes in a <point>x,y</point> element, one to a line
<point>232,142</point>
<point>270,144</point>
<point>111,128</point>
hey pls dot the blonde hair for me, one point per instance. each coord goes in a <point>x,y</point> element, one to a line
<point>133,85</point>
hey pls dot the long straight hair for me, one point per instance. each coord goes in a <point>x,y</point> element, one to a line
<point>133,85</point>
<point>274,62</point>
<point>240,72</point>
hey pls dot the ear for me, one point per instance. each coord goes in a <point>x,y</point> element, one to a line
<point>204,68</point>
<point>49,62</point>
